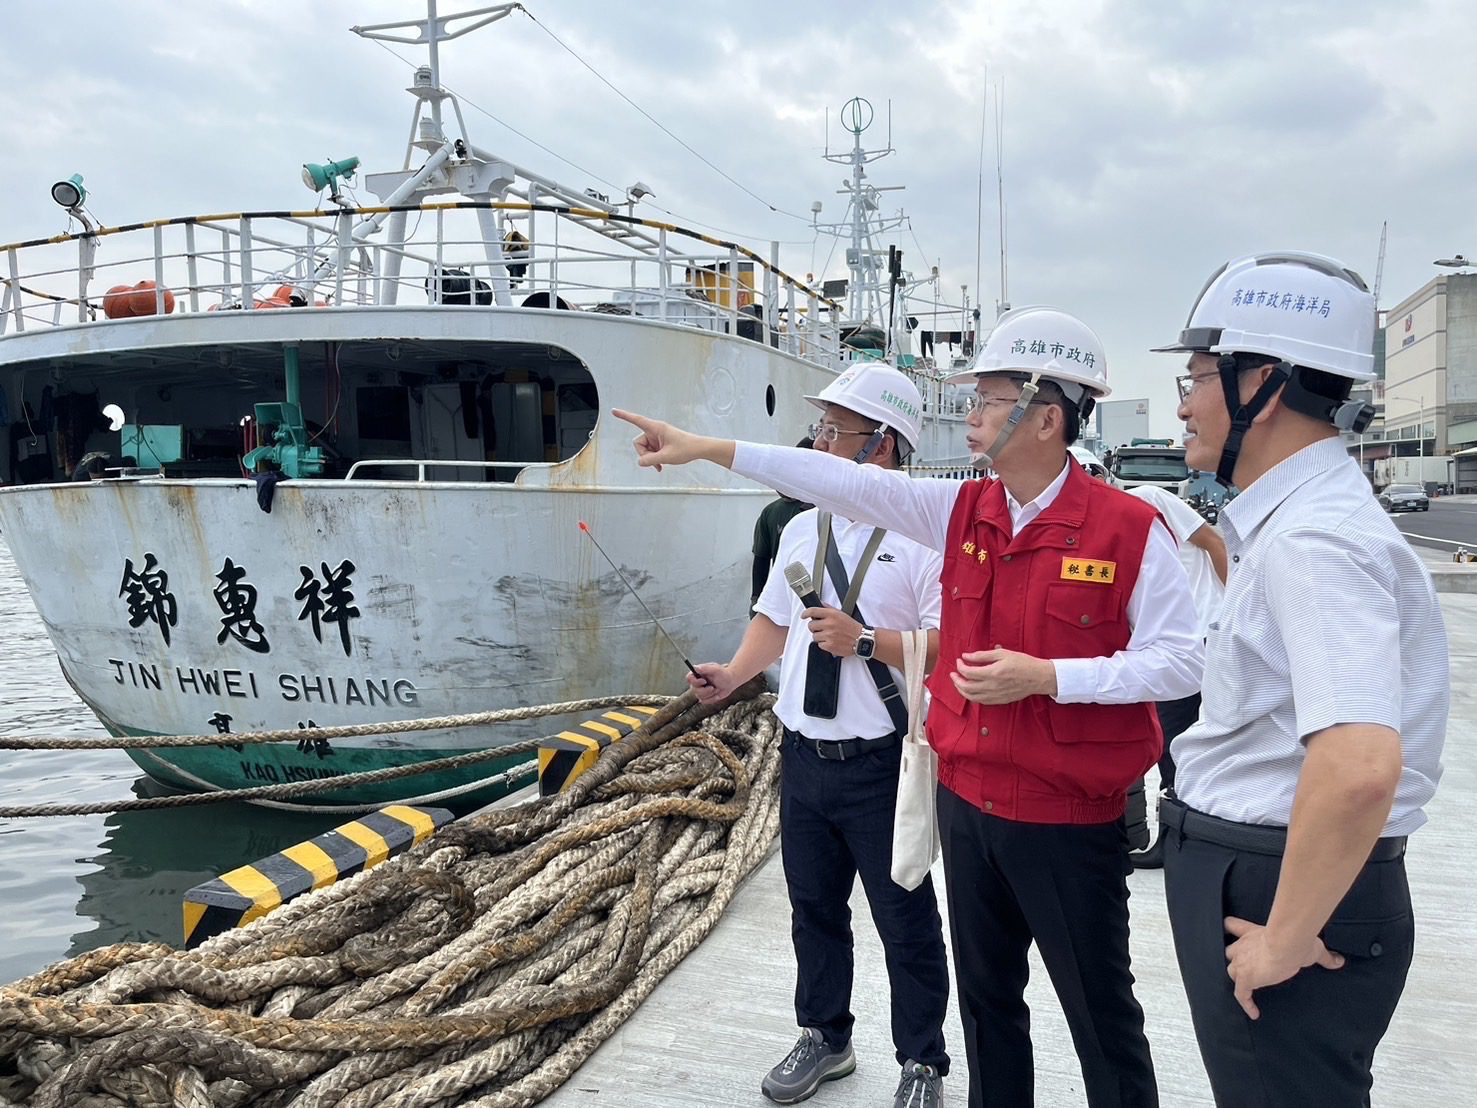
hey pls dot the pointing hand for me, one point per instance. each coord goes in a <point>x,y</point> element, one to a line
<point>662,444</point>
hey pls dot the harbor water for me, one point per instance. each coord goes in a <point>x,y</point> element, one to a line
<point>74,883</point>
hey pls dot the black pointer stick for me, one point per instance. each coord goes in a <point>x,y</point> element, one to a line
<point>585,527</point>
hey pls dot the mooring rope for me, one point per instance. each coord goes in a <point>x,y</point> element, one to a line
<point>477,970</point>
<point>289,790</point>
<point>346,731</point>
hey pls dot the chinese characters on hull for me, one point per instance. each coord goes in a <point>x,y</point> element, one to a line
<point>327,600</point>
<point>148,596</point>
<point>237,599</point>
<point>327,597</point>
<point>330,601</point>
<point>222,724</point>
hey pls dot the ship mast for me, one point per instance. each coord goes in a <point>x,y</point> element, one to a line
<point>869,286</point>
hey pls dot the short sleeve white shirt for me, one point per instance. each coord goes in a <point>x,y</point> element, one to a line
<point>1184,521</point>
<point>1329,618</point>
<point>900,592</point>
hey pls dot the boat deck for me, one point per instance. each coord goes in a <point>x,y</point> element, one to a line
<point>709,1032</point>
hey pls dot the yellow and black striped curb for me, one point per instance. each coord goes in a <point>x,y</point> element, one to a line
<point>235,899</point>
<point>563,757</point>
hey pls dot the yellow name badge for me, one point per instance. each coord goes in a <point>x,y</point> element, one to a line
<point>1085,569</point>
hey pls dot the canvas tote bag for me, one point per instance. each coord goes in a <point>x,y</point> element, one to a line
<point>915,830</point>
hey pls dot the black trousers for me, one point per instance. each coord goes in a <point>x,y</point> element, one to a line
<point>1064,887</point>
<point>835,824</point>
<point>1315,1040</point>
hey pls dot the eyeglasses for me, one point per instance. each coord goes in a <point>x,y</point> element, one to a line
<point>829,432</point>
<point>978,403</point>
<point>1186,383</point>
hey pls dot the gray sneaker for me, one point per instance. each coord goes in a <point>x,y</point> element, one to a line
<point>805,1067</point>
<point>921,1087</point>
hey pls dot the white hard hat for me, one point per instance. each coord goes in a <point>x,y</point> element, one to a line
<point>1305,309</point>
<point>1047,342</point>
<point>877,391</point>
<point>1088,461</point>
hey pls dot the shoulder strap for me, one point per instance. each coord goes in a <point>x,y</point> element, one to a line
<point>826,551</point>
<point>892,699</point>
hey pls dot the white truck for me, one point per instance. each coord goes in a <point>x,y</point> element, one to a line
<point>1121,421</point>
<point>1429,473</point>
<point>1151,462</point>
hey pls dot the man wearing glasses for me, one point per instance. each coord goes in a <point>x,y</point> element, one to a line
<point>1066,615</point>
<point>1284,859</point>
<point>843,747</point>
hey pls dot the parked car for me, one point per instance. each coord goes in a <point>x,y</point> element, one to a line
<point>1404,498</point>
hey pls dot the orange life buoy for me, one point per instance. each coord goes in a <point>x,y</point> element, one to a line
<point>123,301</point>
<point>143,299</point>
<point>116,304</point>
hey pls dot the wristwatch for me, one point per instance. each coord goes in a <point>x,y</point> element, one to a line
<point>866,642</point>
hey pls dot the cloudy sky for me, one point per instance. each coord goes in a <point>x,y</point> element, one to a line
<point>1145,142</point>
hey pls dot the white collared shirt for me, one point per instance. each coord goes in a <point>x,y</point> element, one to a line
<point>900,592</point>
<point>1329,618</point>
<point>1022,514</point>
<point>1164,655</point>
<point>1205,584</point>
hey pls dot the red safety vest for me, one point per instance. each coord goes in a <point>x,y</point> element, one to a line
<point>1058,589</point>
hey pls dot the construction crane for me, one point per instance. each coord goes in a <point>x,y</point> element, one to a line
<point>1379,266</point>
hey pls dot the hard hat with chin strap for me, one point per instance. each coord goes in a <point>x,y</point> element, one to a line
<point>1304,309</point>
<point>1036,344</point>
<point>1305,312</point>
<point>878,392</point>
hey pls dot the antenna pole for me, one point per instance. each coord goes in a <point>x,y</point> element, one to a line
<point>433,37</point>
<point>1004,305</point>
<point>979,198</point>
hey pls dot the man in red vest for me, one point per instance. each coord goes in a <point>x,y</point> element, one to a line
<point>1066,616</point>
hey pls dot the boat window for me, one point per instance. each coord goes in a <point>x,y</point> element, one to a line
<point>384,412</point>
<point>490,408</point>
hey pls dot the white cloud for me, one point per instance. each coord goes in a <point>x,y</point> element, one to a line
<point>1145,143</point>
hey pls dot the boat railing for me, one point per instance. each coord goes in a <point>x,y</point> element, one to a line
<point>420,465</point>
<point>513,255</point>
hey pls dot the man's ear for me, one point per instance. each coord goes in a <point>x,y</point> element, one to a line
<point>1053,422</point>
<point>888,447</point>
<point>1254,380</point>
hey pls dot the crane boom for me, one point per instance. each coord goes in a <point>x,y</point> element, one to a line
<point>1379,266</point>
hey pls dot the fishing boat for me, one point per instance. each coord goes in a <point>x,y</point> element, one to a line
<point>300,469</point>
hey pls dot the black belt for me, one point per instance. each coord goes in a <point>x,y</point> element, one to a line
<point>838,750</point>
<point>1254,838</point>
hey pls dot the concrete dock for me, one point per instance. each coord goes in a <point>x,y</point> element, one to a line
<point>709,1032</point>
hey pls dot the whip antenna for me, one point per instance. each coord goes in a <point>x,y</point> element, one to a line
<point>585,527</point>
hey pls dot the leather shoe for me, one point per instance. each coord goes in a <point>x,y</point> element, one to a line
<point>1152,858</point>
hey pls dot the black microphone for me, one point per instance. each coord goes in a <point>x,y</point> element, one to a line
<point>799,578</point>
<point>822,670</point>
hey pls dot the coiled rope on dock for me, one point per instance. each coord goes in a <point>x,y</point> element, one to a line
<point>479,969</point>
